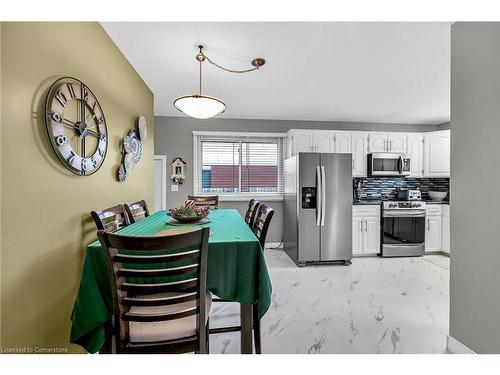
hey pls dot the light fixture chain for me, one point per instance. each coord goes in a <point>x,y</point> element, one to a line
<point>200,79</point>
<point>229,70</point>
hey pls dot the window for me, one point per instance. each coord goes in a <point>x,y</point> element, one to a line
<point>235,165</point>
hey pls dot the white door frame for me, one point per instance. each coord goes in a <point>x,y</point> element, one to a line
<point>163,160</point>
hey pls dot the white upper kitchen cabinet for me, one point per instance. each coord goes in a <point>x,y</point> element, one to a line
<point>323,141</point>
<point>299,141</point>
<point>378,142</point>
<point>359,148</point>
<point>397,142</point>
<point>437,154</point>
<point>343,143</point>
<point>416,152</point>
<point>388,142</point>
<point>429,152</point>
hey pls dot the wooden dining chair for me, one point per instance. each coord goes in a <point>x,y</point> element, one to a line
<point>205,200</point>
<point>111,219</point>
<point>260,229</point>
<point>251,213</point>
<point>261,225</point>
<point>136,211</point>
<point>161,303</point>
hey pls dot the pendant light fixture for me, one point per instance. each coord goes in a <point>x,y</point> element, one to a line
<point>202,106</point>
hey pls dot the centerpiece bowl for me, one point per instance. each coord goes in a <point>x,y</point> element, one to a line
<point>189,213</point>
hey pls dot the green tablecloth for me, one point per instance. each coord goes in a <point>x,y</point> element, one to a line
<point>237,271</point>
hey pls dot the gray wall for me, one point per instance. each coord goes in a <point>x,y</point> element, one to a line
<point>174,138</point>
<point>475,167</point>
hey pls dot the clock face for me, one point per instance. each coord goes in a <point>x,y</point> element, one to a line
<point>76,126</point>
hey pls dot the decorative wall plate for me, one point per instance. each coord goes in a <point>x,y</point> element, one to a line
<point>122,174</point>
<point>129,163</point>
<point>132,145</point>
<point>143,128</point>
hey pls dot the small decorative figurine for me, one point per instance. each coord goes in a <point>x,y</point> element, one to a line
<point>178,166</point>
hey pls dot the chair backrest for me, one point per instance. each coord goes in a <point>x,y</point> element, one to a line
<point>153,272</point>
<point>251,213</point>
<point>262,222</point>
<point>136,211</point>
<point>205,200</point>
<point>111,219</point>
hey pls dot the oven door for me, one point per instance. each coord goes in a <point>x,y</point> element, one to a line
<point>403,229</point>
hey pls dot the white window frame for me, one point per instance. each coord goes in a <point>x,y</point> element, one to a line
<point>237,196</point>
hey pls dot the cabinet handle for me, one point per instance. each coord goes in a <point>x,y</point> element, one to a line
<point>390,145</point>
<point>361,225</point>
<point>352,164</point>
<point>366,225</point>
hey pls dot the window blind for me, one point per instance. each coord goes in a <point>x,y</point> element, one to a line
<point>238,164</point>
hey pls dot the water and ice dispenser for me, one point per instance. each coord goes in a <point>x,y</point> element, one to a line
<point>309,197</point>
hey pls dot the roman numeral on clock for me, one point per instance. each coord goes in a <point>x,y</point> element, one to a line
<point>61,98</point>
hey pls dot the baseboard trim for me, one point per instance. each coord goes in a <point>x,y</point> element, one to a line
<point>456,347</point>
<point>278,245</point>
<point>437,252</point>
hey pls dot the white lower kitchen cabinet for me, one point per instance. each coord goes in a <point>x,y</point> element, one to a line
<point>446,228</point>
<point>433,228</point>
<point>365,230</point>
<point>357,235</point>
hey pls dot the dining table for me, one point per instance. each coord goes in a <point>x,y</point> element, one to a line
<point>236,271</point>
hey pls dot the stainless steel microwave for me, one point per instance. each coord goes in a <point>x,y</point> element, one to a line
<point>388,164</point>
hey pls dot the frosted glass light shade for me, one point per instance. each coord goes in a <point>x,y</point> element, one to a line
<point>199,106</point>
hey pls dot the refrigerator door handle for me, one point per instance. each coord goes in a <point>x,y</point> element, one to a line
<point>323,197</point>
<point>319,197</point>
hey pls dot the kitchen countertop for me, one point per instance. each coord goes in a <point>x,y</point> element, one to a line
<point>357,202</point>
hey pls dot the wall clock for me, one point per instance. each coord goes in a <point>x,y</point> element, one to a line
<point>76,126</point>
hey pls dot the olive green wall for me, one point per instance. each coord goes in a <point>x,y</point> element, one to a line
<point>0,182</point>
<point>45,209</point>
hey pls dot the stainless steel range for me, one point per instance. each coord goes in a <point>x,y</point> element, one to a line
<point>403,229</point>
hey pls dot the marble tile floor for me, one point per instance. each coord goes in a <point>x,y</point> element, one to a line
<point>376,305</point>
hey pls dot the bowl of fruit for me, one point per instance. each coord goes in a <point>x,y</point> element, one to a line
<point>189,213</point>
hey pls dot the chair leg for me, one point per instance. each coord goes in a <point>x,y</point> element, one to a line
<point>256,329</point>
<point>208,337</point>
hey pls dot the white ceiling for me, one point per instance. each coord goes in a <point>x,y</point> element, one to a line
<point>339,71</point>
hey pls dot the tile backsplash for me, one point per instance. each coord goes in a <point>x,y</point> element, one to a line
<point>386,188</point>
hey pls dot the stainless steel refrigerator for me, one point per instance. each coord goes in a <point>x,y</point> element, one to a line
<point>317,221</point>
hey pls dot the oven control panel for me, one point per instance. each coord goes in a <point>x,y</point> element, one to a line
<point>403,205</point>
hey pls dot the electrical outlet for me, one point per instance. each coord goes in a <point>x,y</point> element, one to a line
<point>174,187</point>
